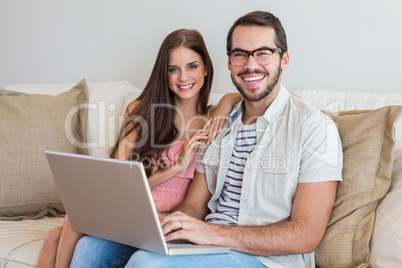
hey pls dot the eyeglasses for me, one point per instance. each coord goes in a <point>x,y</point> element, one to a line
<point>262,56</point>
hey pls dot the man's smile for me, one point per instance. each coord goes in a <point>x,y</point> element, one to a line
<point>253,79</point>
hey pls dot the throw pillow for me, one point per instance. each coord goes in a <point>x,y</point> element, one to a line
<point>105,109</point>
<point>31,124</point>
<point>368,142</point>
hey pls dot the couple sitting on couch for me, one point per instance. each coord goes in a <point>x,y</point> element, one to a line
<point>265,187</point>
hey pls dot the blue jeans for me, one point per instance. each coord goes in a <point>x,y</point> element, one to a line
<point>143,258</point>
<point>96,252</point>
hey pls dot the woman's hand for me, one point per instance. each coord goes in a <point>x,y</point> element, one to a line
<point>185,160</point>
<point>215,125</point>
<point>190,149</point>
<point>218,119</point>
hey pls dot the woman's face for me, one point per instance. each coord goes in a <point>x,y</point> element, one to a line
<point>186,72</point>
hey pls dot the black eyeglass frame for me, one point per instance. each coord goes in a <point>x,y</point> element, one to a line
<point>251,53</point>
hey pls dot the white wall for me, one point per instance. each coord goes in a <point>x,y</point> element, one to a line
<point>343,45</point>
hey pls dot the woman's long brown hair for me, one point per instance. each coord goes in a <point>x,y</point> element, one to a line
<point>157,101</point>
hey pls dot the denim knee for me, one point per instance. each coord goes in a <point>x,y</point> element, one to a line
<point>154,260</point>
<point>147,259</point>
<point>97,252</point>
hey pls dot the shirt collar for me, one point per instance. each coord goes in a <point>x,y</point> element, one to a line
<point>274,109</point>
<point>238,110</point>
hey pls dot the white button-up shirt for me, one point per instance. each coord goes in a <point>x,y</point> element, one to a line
<point>296,143</point>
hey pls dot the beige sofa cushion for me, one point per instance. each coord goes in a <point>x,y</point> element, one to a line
<point>21,241</point>
<point>368,142</point>
<point>32,124</point>
<point>105,109</point>
<point>386,246</point>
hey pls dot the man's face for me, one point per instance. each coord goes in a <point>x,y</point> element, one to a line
<point>252,80</point>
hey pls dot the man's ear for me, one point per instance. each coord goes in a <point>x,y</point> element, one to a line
<point>285,61</point>
<point>228,63</point>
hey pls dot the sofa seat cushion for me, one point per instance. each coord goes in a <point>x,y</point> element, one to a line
<point>21,241</point>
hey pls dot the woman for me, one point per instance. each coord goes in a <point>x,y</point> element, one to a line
<point>156,131</point>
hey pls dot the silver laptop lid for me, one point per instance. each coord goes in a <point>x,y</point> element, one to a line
<point>108,198</point>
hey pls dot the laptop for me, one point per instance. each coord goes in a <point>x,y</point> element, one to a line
<point>111,199</point>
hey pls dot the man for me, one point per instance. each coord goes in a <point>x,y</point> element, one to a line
<point>269,178</point>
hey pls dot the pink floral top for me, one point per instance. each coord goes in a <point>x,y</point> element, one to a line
<point>172,192</point>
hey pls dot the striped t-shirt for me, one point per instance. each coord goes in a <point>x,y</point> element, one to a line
<point>229,200</point>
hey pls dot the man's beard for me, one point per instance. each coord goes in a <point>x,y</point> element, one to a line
<point>264,93</point>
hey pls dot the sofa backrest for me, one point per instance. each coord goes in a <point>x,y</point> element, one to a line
<point>344,101</point>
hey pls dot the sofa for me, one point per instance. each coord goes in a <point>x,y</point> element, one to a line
<point>365,228</point>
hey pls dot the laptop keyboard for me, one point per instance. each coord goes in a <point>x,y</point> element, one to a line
<point>179,244</point>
